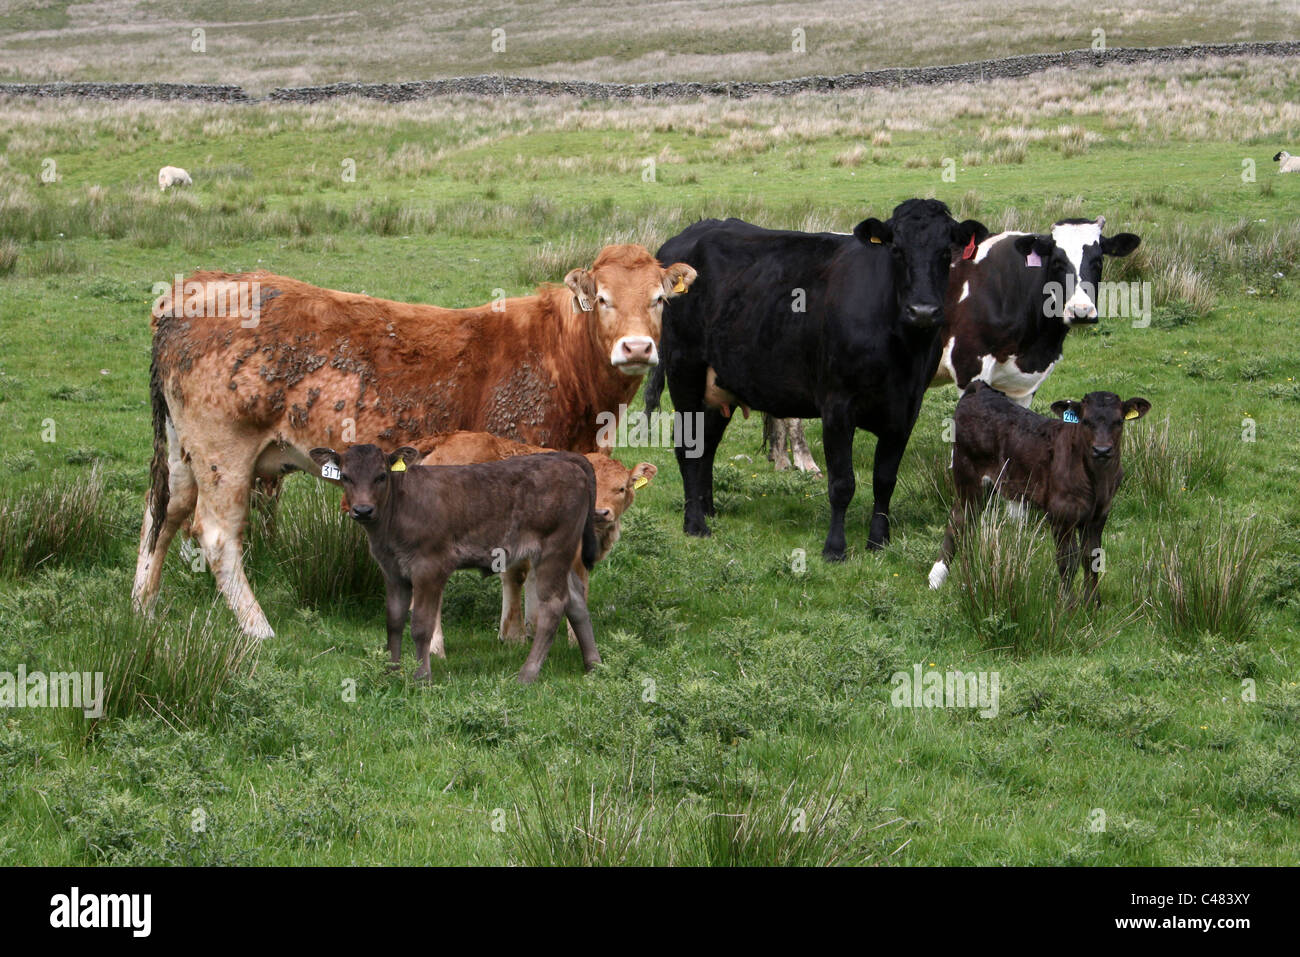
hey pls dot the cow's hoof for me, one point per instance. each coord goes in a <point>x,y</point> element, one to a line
<point>833,554</point>
<point>393,666</point>
<point>526,677</point>
<point>703,531</point>
<point>423,674</point>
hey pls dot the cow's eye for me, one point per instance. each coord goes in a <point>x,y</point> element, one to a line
<point>603,301</point>
<point>383,477</point>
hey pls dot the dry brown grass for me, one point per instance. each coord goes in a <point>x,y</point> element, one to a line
<point>274,43</point>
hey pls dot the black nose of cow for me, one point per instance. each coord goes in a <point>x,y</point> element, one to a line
<point>363,513</point>
<point>923,315</point>
<point>605,514</point>
<point>1102,451</point>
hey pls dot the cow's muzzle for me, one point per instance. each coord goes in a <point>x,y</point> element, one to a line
<point>363,513</point>
<point>923,315</point>
<point>634,355</point>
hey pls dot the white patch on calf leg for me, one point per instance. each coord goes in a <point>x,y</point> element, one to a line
<point>1017,511</point>
<point>938,574</point>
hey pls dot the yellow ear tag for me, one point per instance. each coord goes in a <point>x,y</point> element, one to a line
<point>1131,414</point>
<point>640,483</point>
<point>681,285</point>
<point>875,239</point>
<point>399,466</point>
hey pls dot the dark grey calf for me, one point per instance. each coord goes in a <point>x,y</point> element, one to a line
<point>1067,467</point>
<point>425,522</point>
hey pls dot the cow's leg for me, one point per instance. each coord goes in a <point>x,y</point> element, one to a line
<point>775,433</point>
<point>799,450</point>
<point>581,574</point>
<point>182,496</point>
<point>398,601</point>
<point>837,438</point>
<point>551,603</point>
<point>956,522</point>
<point>579,619</point>
<point>221,514</point>
<point>696,466</point>
<point>884,477</point>
<point>1090,540</point>
<point>1067,554</point>
<point>426,622</point>
<point>513,582</point>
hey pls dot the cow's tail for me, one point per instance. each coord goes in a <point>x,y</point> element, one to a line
<point>590,547</point>
<point>654,387</point>
<point>159,478</point>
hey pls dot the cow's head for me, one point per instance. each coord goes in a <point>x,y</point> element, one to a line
<point>616,487</point>
<point>624,293</point>
<point>1072,254</point>
<point>922,237</point>
<point>364,472</point>
<point>1100,417</point>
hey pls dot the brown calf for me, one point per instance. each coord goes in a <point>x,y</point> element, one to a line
<point>251,371</point>
<point>1068,468</point>
<point>425,522</point>
<point>616,487</point>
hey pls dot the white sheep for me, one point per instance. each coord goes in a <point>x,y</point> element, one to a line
<point>1290,164</point>
<point>173,176</point>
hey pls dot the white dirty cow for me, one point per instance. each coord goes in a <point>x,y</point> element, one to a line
<point>1288,163</point>
<point>170,176</point>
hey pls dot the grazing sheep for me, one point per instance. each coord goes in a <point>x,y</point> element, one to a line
<point>173,176</point>
<point>1290,164</point>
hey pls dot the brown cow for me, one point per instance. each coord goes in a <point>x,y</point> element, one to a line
<point>423,523</point>
<point>251,371</point>
<point>1067,467</point>
<point>616,487</point>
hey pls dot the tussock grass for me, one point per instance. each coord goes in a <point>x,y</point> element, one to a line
<point>169,664</point>
<point>59,521</point>
<point>8,256</point>
<point>1008,592</point>
<point>320,553</point>
<point>1162,464</point>
<point>736,826</point>
<point>1206,576</point>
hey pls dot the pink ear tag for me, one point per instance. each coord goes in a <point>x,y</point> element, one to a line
<point>1033,259</point>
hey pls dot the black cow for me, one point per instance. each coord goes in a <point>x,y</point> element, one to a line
<point>1011,303</point>
<point>841,327</point>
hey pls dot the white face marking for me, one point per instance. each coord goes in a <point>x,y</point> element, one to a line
<point>1071,238</point>
<point>938,574</point>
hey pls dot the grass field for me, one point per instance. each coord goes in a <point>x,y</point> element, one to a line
<point>261,44</point>
<point>741,691</point>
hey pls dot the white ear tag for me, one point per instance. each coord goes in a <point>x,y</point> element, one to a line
<point>1069,415</point>
<point>330,471</point>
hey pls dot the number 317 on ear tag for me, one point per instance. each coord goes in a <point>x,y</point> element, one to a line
<point>330,471</point>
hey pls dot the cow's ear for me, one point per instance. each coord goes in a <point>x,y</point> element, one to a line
<point>399,460</point>
<point>873,231</point>
<point>328,460</point>
<point>1034,244</point>
<point>964,233</point>
<point>583,285</point>
<point>1067,409</point>
<point>643,473</point>
<point>1121,244</point>
<point>1136,407</point>
<point>677,279</point>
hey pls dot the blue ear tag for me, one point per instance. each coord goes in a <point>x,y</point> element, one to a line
<point>1070,416</point>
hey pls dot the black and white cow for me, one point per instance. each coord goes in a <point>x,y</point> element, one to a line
<point>1011,300</point>
<point>841,327</point>
<point>1011,304</point>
